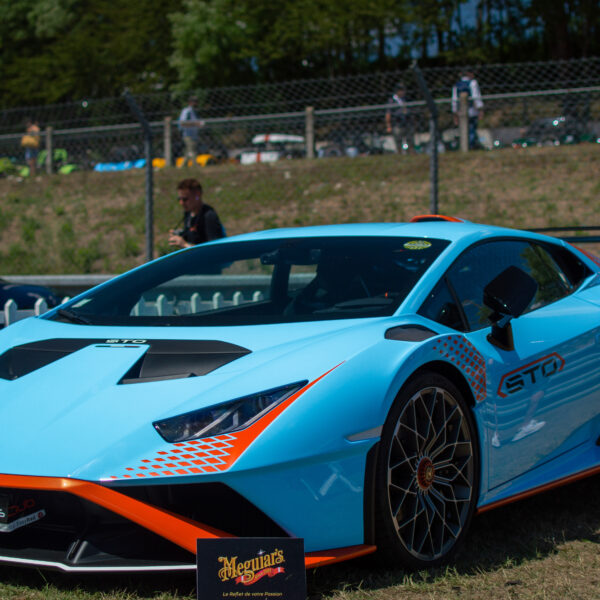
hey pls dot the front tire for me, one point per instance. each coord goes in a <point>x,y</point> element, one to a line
<point>427,475</point>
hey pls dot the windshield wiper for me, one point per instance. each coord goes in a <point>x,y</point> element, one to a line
<point>72,317</point>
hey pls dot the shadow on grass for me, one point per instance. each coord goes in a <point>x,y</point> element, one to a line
<point>526,530</point>
<point>531,529</point>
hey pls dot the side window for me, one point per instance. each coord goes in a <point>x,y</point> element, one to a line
<point>552,282</point>
<point>476,267</point>
<point>441,307</point>
<point>568,263</point>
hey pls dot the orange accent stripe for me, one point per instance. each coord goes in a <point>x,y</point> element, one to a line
<point>174,528</point>
<point>328,557</point>
<point>180,530</point>
<point>418,218</point>
<point>540,489</point>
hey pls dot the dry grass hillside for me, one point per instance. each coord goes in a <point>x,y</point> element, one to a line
<point>91,222</point>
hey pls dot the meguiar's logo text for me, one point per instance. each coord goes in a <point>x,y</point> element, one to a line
<point>250,571</point>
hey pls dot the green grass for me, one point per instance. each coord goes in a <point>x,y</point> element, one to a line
<point>95,222</point>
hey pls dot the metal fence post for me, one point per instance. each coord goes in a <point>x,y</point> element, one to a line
<point>433,138</point>
<point>49,150</point>
<point>463,121</point>
<point>310,132</point>
<point>167,140</point>
<point>135,109</point>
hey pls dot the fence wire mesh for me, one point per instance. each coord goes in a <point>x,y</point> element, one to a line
<point>525,103</point>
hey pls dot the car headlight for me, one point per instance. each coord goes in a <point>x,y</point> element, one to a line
<point>224,418</point>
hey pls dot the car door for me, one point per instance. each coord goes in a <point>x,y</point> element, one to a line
<point>543,394</point>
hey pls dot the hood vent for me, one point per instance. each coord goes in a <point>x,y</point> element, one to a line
<point>165,359</point>
<point>171,359</point>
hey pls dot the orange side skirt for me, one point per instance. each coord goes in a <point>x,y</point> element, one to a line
<point>540,489</point>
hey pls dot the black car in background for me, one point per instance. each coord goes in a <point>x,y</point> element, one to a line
<point>25,296</point>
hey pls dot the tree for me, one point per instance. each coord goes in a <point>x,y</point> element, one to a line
<point>57,50</point>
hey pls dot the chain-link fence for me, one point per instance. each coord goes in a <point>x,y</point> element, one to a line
<point>525,104</point>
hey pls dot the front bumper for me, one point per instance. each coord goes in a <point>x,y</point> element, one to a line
<point>91,527</point>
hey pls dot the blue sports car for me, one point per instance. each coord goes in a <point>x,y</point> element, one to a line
<point>363,387</point>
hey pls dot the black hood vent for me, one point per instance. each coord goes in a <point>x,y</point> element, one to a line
<point>165,359</point>
<point>174,359</point>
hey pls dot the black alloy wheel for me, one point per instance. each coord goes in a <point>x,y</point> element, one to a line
<point>427,473</point>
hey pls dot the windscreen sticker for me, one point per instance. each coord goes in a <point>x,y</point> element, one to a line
<point>417,245</point>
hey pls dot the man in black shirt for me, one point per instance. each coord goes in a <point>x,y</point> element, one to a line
<point>200,221</point>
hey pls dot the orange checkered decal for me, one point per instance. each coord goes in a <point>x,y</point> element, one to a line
<point>465,356</point>
<point>208,455</point>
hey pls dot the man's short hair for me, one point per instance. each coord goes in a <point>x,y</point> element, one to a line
<point>191,184</point>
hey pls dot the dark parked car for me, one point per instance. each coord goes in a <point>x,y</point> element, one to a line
<point>555,131</point>
<point>25,296</point>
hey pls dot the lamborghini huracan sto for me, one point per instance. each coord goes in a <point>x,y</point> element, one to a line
<point>363,387</point>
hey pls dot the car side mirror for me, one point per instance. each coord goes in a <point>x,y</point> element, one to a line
<point>508,295</point>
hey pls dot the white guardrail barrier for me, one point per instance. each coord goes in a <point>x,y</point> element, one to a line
<point>185,295</point>
<point>12,313</point>
<point>162,306</point>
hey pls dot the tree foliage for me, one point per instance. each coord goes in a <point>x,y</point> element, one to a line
<point>58,50</point>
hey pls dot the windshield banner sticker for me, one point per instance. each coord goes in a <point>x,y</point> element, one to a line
<point>417,245</point>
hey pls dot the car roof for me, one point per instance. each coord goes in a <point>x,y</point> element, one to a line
<point>451,231</point>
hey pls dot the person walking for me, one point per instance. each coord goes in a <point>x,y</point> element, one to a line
<point>398,121</point>
<point>469,85</point>
<point>189,125</point>
<point>200,221</point>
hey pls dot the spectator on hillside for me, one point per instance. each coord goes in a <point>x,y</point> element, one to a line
<point>469,85</point>
<point>31,143</point>
<point>189,124</point>
<point>398,121</point>
<point>200,221</point>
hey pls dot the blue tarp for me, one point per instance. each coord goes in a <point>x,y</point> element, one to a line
<point>121,166</point>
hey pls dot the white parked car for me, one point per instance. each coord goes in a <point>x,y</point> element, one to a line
<point>271,147</point>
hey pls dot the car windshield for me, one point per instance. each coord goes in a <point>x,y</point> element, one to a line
<point>260,282</point>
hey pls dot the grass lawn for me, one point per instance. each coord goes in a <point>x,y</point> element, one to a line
<point>94,222</point>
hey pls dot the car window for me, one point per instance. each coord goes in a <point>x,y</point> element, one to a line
<point>573,267</point>
<point>265,281</point>
<point>474,269</point>
<point>441,307</point>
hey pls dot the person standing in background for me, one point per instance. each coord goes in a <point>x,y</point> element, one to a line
<point>398,121</point>
<point>31,143</point>
<point>189,124</point>
<point>469,85</point>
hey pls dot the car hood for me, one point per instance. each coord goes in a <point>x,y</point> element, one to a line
<point>76,416</point>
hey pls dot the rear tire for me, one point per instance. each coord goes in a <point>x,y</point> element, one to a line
<point>427,474</point>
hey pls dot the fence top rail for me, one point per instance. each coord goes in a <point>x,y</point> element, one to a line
<point>574,228</point>
<point>8,137</point>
